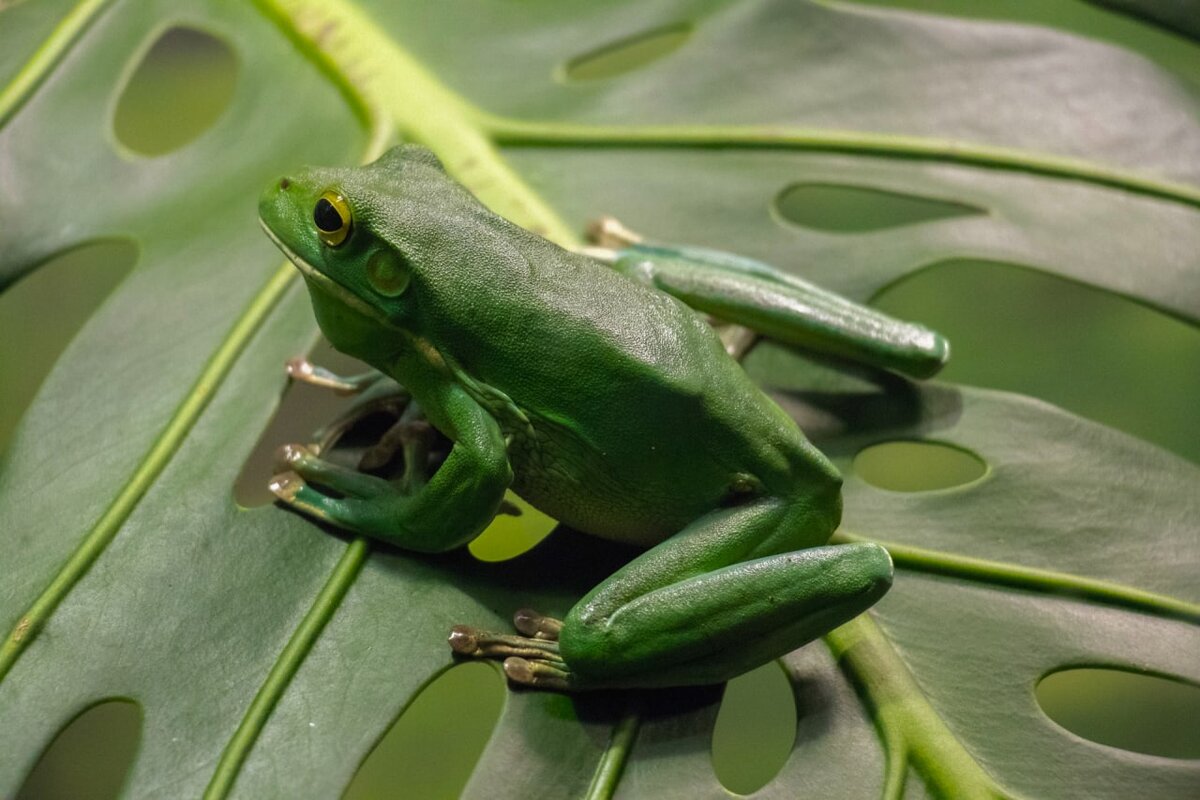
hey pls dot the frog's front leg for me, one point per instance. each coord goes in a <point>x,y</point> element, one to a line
<point>457,502</point>
<point>772,302</point>
<point>735,589</point>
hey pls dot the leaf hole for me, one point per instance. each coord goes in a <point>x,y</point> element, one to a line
<point>432,748</point>
<point>755,729</point>
<point>1134,711</point>
<point>1085,349</point>
<point>178,90</point>
<point>42,312</point>
<point>918,466</point>
<point>303,410</point>
<point>511,535</point>
<point>90,758</point>
<point>839,208</point>
<point>625,55</point>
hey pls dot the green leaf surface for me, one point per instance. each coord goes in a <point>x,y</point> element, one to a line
<point>1180,15</point>
<point>269,655</point>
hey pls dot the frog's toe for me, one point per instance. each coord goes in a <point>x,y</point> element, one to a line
<point>302,370</point>
<point>298,368</point>
<point>535,625</point>
<point>532,660</point>
<point>286,485</point>
<point>539,673</point>
<point>608,231</point>
<point>289,456</point>
<point>299,463</point>
<point>475,643</point>
<point>294,491</point>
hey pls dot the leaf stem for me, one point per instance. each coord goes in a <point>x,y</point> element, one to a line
<point>612,763</point>
<point>907,723</point>
<point>1031,578</point>
<point>395,87</point>
<point>896,769</point>
<point>285,668</point>
<point>516,133</point>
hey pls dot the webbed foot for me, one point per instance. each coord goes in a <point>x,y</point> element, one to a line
<point>532,659</point>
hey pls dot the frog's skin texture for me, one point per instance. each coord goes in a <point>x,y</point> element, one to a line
<point>603,400</point>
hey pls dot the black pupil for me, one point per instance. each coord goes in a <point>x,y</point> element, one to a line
<point>327,217</point>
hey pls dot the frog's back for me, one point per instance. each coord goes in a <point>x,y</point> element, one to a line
<point>638,421</point>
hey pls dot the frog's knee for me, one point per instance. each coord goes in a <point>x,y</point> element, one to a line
<point>818,499</point>
<point>813,511</point>
<point>589,644</point>
<point>820,473</point>
<point>877,564</point>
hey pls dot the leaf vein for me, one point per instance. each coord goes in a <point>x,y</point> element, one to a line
<point>1032,578</point>
<point>285,667</point>
<point>516,133</point>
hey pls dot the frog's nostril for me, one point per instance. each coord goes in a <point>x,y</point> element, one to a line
<point>284,183</point>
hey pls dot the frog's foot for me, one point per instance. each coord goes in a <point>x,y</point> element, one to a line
<point>367,504</point>
<point>298,464</point>
<point>531,659</point>
<point>303,370</point>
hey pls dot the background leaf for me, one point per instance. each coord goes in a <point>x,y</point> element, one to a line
<point>1182,16</point>
<point>269,655</point>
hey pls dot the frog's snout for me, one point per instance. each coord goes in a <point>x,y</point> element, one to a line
<point>274,189</point>
<point>274,202</point>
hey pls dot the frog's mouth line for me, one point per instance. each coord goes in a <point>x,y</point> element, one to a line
<point>324,281</point>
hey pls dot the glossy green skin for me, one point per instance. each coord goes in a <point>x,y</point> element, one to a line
<point>601,400</point>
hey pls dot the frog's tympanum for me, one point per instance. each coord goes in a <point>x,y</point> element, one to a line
<point>597,393</point>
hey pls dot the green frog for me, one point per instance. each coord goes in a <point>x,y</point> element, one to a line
<point>587,383</point>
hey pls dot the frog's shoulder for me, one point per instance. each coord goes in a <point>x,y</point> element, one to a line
<point>630,331</point>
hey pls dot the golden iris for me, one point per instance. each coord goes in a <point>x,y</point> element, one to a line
<point>332,218</point>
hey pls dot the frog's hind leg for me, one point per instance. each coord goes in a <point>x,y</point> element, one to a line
<point>726,594</point>
<point>774,303</point>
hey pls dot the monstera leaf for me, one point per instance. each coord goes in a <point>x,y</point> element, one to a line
<point>268,655</point>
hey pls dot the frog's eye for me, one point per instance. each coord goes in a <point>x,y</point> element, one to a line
<point>332,218</point>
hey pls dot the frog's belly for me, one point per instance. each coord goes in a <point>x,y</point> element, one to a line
<point>638,503</point>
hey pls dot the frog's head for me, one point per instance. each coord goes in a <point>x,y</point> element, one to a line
<point>356,235</point>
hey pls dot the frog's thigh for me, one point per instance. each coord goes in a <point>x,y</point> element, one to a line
<point>707,604</point>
